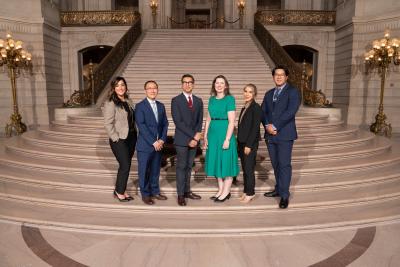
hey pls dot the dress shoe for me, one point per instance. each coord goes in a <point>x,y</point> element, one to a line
<point>120,199</point>
<point>247,199</point>
<point>181,201</point>
<point>160,197</point>
<point>214,197</point>
<point>147,200</point>
<point>192,195</point>
<point>271,194</point>
<point>228,196</point>
<point>129,197</point>
<point>284,203</point>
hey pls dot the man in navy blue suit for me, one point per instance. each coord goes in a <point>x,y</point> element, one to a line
<point>187,113</point>
<point>279,107</point>
<point>152,123</point>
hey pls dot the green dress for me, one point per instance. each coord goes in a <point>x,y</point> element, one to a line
<point>220,162</point>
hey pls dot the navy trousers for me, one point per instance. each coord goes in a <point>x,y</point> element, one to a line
<point>280,153</point>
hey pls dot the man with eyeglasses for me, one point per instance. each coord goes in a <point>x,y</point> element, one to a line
<point>187,113</point>
<point>152,123</point>
<point>280,106</point>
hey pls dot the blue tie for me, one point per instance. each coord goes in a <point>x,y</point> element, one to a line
<point>154,107</point>
<point>276,94</point>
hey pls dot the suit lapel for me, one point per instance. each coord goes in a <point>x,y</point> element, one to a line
<point>150,109</point>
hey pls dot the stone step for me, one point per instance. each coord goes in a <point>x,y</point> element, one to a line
<point>125,220</point>
<point>199,183</point>
<point>363,144</point>
<point>310,134</point>
<point>103,200</point>
<point>368,159</point>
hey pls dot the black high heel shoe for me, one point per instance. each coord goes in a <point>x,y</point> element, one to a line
<point>228,196</point>
<point>214,197</point>
<point>120,199</point>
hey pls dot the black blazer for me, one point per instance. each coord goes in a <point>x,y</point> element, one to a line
<point>187,121</point>
<point>249,126</point>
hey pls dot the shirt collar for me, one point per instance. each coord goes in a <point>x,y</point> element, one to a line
<point>281,87</point>
<point>187,95</point>
<point>151,101</point>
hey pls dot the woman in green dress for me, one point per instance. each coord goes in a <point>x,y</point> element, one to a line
<point>219,141</point>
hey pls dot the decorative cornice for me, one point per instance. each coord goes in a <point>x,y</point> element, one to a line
<point>98,18</point>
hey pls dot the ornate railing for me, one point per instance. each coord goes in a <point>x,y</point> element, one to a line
<point>297,74</point>
<point>98,18</point>
<point>296,17</point>
<point>277,53</point>
<point>105,70</point>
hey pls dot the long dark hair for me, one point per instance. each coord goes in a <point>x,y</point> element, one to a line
<point>112,95</point>
<point>226,91</point>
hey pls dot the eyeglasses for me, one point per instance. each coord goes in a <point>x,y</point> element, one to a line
<point>188,82</point>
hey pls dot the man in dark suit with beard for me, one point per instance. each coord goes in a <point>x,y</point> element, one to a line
<point>187,113</point>
<point>279,107</point>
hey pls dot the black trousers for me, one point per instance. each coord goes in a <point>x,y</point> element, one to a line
<point>184,161</point>
<point>123,151</point>
<point>248,167</point>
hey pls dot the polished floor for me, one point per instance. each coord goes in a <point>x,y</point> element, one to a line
<point>371,246</point>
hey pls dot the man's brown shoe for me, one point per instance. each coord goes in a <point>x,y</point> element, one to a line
<point>147,200</point>
<point>160,197</point>
<point>192,195</point>
<point>181,201</point>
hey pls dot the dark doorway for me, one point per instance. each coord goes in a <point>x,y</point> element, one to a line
<point>94,54</point>
<point>299,54</point>
<point>198,18</point>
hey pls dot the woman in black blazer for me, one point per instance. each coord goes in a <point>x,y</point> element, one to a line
<point>248,137</point>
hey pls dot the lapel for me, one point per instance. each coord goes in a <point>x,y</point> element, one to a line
<point>247,111</point>
<point>150,109</point>
<point>283,92</point>
<point>186,104</point>
<point>158,111</point>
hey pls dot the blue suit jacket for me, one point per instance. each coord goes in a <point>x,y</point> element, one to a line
<point>187,122</point>
<point>281,113</point>
<point>149,130</point>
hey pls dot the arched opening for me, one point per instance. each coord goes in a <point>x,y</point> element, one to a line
<point>94,54</point>
<point>299,54</point>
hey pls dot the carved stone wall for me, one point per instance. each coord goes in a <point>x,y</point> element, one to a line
<point>320,38</point>
<point>36,26</point>
<point>358,24</point>
<point>75,39</point>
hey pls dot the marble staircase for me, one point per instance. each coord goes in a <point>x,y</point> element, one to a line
<point>61,176</point>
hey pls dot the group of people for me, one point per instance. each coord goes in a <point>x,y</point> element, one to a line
<point>144,128</point>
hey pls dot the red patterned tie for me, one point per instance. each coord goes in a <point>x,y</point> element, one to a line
<point>190,102</point>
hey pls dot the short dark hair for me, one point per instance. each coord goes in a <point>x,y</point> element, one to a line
<point>226,91</point>
<point>252,86</point>
<point>280,67</point>
<point>150,81</point>
<point>187,76</point>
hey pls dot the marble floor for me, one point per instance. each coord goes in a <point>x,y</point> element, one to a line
<point>372,246</point>
<point>375,245</point>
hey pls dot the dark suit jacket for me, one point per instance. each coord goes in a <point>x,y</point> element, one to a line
<point>249,126</point>
<point>187,122</point>
<point>149,130</point>
<point>281,113</point>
